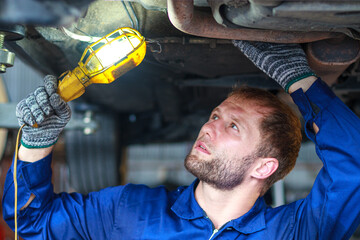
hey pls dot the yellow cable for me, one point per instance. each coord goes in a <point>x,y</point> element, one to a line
<point>15,179</point>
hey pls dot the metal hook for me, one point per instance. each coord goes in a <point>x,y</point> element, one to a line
<point>157,42</point>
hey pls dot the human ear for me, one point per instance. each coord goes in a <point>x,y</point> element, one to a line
<point>265,167</point>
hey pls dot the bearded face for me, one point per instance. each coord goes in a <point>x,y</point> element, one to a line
<point>221,171</point>
<point>226,146</point>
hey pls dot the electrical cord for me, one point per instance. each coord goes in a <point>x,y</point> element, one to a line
<point>15,179</point>
<point>136,20</point>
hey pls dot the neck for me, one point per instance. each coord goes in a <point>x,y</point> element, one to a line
<point>223,206</point>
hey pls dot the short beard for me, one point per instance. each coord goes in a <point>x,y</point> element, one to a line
<point>221,173</point>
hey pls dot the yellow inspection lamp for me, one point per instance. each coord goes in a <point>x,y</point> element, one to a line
<point>103,62</point>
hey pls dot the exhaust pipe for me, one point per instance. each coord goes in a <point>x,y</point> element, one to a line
<point>185,18</point>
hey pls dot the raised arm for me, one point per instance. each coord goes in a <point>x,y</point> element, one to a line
<point>42,214</point>
<point>331,209</point>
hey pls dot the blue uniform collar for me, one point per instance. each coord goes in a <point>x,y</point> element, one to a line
<point>186,207</point>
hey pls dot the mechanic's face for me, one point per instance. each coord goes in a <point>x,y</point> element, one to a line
<point>226,145</point>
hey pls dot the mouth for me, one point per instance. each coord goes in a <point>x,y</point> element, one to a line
<point>201,147</point>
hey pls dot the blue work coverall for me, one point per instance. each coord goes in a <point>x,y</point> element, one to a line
<point>330,211</point>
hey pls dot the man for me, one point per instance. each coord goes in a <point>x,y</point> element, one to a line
<point>239,153</point>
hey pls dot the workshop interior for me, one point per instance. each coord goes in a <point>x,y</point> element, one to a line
<point>138,124</point>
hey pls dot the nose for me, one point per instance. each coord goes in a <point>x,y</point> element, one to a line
<point>210,129</point>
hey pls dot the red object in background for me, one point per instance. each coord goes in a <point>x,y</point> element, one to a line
<point>5,231</point>
<point>2,233</point>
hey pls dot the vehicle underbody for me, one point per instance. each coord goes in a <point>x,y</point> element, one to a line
<point>191,63</point>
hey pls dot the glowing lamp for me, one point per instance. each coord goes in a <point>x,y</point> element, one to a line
<point>103,62</point>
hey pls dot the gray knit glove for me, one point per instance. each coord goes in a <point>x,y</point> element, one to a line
<point>48,110</point>
<point>285,63</point>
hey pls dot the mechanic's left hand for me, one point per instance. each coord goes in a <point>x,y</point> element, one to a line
<point>285,63</point>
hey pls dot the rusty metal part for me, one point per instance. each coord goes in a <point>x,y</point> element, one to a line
<point>329,58</point>
<point>185,18</point>
<point>9,32</point>
<point>6,58</point>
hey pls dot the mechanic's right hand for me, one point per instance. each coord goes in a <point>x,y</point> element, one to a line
<point>44,114</point>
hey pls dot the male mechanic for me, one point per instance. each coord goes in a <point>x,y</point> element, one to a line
<point>238,155</point>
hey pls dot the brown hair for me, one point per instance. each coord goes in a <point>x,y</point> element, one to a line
<point>280,130</point>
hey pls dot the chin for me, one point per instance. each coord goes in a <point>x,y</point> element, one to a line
<point>191,164</point>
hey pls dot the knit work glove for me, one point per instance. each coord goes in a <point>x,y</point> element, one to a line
<point>48,110</point>
<point>285,63</point>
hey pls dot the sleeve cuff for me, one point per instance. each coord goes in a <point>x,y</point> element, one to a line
<point>318,94</point>
<point>312,102</point>
<point>35,178</point>
<point>38,172</point>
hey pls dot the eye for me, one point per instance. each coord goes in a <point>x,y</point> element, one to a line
<point>214,117</point>
<point>233,125</point>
